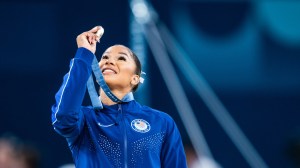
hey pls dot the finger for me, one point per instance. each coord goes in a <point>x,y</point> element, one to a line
<point>96,39</point>
<point>95,29</point>
<point>90,36</point>
<point>93,43</point>
<point>93,39</point>
<point>90,39</point>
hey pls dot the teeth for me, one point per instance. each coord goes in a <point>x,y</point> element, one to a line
<point>108,70</point>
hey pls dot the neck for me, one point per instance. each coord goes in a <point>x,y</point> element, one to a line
<point>107,101</point>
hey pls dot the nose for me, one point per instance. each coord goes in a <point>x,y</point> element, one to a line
<point>110,61</point>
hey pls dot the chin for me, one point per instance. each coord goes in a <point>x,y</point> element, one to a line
<point>110,81</point>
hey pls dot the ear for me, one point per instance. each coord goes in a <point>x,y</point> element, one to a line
<point>135,79</point>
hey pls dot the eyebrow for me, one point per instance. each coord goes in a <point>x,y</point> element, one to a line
<point>123,53</point>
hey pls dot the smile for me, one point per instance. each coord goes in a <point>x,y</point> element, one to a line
<point>108,71</point>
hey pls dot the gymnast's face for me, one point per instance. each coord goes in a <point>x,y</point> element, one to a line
<point>118,68</point>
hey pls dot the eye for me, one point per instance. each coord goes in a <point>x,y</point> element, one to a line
<point>122,58</point>
<point>104,57</point>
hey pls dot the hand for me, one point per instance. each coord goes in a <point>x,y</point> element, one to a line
<point>89,39</point>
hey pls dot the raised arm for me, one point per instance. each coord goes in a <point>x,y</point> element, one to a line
<point>67,118</point>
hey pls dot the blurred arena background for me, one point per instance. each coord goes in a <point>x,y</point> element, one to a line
<point>247,51</point>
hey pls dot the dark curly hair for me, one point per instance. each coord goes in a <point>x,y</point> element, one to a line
<point>138,69</point>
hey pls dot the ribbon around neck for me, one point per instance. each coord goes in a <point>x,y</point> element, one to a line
<point>95,99</point>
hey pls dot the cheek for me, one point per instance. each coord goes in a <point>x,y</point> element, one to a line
<point>101,63</point>
<point>128,70</point>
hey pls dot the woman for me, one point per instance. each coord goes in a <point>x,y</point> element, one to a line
<point>139,136</point>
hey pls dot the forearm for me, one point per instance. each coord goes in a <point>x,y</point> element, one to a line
<point>66,115</point>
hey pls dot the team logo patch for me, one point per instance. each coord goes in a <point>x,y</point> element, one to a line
<point>140,125</point>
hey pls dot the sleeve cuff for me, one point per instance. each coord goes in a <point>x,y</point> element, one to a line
<point>85,55</point>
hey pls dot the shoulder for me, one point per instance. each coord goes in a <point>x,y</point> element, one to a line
<point>158,114</point>
<point>163,120</point>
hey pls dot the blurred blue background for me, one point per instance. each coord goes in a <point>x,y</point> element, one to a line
<point>248,51</point>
